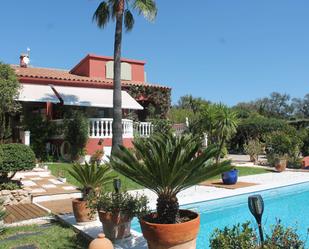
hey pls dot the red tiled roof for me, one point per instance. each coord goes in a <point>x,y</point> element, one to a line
<point>65,75</point>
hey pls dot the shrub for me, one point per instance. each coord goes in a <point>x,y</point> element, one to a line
<point>255,127</point>
<point>9,186</point>
<point>76,133</point>
<point>253,148</point>
<point>41,130</point>
<point>15,157</point>
<point>237,237</point>
<point>241,236</point>
<point>2,214</point>
<point>282,237</point>
<point>122,202</point>
<point>161,125</point>
<point>279,144</point>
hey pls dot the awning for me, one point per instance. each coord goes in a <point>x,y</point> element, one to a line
<point>37,93</point>
<point>76,96</point>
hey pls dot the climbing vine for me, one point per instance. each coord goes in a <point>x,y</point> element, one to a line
<point>158,98</point>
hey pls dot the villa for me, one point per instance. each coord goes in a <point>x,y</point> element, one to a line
<point>88,87</point>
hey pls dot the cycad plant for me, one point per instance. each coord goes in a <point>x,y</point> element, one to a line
<point>167,165</point>
<point>121,11</point>
<point>91,177</point>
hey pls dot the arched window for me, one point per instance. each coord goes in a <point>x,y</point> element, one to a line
<point>126,70</point>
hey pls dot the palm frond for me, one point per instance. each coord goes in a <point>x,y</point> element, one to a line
<point>102,15</point>
<point>91,176</point>
<point>168,164</point>
<point>147,8</point>
<point>128,20</point>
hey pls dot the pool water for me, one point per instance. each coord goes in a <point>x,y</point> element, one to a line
<point>289,204</point>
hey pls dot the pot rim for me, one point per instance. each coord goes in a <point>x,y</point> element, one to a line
<point>141,220</point>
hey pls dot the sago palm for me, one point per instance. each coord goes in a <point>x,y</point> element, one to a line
<point>121,12</point>
<point>167,165</point>
<point>91,176</point>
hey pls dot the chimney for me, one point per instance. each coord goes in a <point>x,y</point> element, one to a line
<point>24,60</point>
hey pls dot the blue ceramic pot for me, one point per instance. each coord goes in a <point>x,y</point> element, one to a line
<point>230,177</point>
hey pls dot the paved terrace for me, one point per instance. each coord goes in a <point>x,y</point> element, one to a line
<point>197,194</point>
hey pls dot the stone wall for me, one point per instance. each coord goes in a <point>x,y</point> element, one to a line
<point>18,196</point>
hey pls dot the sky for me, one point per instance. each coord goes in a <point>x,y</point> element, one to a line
<point>225,51</point>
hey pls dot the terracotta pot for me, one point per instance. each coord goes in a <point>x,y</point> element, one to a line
<point>81,212</point>
<point>115,225</point>
<point>281,165</point>
<point>101,243</point>
<point>172,236</point>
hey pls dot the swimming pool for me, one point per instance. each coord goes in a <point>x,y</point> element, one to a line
<point>290,204</point>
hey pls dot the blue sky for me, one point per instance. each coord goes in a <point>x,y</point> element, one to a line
<point>221,50</point>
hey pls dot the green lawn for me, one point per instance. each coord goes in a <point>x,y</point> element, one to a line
<point>128,184</point>
<point>53,236</point>
<point>55,168</point>
<point>246,171</point>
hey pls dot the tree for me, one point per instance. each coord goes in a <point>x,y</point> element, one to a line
<point>226,122</point>
<point>120,11</point>
<point>9,87</point>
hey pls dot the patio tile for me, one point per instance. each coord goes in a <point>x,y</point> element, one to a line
<point>47,186</point>
<point>28,183</point>
<point>55,181</point>
<point>69,188</point>
<point>38,190</point>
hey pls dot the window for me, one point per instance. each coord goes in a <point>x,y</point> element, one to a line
<point>126,70</point>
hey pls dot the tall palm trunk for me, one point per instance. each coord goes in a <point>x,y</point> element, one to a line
<point>117,111</point>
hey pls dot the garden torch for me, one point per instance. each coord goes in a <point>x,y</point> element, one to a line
<point>256,206</point>
<point>117,185</point>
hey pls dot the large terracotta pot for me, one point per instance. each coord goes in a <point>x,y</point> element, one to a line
<point>281,165</point>
<point>81,212</point>
<point>172,236</point>
<point>115,225</point>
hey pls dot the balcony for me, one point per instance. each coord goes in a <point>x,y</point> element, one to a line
<point>102,128</point>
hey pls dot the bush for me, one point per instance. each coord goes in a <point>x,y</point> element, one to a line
<point>9,186</point>
<point>76,133</point>
<point>123,202</point>
<point>15,157</point>
<point>282,237</point>
<point>2,214</point>
<point>255,127</point>
<point>41,130</point>
<point>279,144</point>
<point>237,237</point>
<point>161,125</point>
<point>254,148</point>
<point>241,236</point>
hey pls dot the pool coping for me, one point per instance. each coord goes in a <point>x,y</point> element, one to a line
<point>138,242</point>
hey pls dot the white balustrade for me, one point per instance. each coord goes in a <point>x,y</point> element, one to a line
<point>102,128</point>
<point>144,129</point>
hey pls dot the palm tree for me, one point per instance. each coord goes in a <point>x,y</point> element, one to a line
<point>226,122</point>
<point>167,165</point>
<point>120,11</point>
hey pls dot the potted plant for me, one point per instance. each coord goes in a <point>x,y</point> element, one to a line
<point>281,163</point>
<point>90,177</point>
<point>230,177</point>
<point>116,211</point>
<point>167,165</point>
